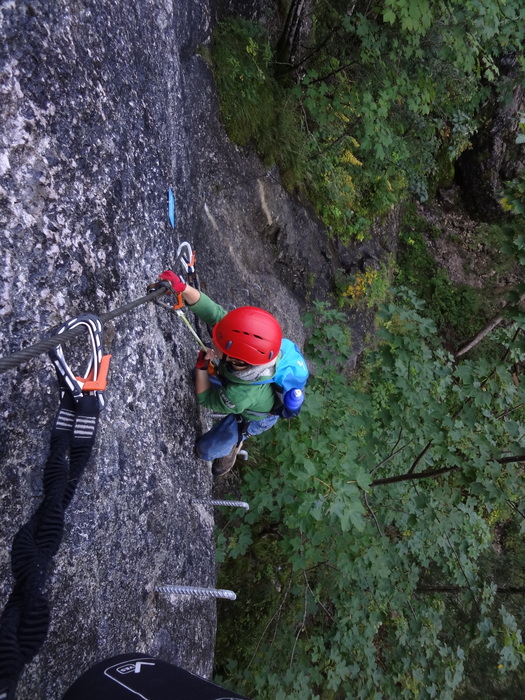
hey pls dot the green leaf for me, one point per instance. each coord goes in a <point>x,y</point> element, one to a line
<point>363,479</point>
<point>389,16</point>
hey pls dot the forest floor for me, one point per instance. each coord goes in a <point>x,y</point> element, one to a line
<point>469,250</point>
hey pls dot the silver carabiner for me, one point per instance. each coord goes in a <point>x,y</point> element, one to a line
<point>73,383</point>
<point>185,255</point>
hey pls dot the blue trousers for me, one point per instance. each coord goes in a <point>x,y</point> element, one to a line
<point>222,438</point>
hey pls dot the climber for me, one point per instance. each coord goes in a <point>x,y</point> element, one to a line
<point>244,351</point>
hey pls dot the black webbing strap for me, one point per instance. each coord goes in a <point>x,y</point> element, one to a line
<point>25,620</point>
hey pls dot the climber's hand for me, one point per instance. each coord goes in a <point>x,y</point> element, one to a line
<point>202,360</point>
<point>178,284</point>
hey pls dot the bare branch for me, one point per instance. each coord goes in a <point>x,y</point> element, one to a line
<point>493,323</point>
<point>430,474</point>
<point>392,454</point>
<point>489,326</point>
<point>302,625</point>
<point>512,458</point>
<point>373,515</point>
<point>420,457</point>
<point>277,614</point>
<point>510,410</point>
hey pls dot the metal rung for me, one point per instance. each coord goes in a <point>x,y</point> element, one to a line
<point>196,592</point>
<point>215,502</point>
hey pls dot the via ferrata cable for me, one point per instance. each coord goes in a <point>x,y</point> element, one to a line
<point>16,358</point>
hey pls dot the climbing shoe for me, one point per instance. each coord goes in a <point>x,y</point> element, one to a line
<point>222,465</point>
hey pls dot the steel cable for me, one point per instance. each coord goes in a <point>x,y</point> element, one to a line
<point>16,358</point>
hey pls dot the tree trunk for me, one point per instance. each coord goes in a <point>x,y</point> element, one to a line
<point>288,40</point>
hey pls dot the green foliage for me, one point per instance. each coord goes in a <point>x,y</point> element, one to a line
<point>385,99</point>
<point>369,288</point>
<point>359,558</point>
<point>365,567</point>
<point>457,309</point>
<point>256,110</point>
<point>514,199</point>
<point>514,195</point>
<point>263,568</point>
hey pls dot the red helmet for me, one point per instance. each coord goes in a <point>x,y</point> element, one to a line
<point>249,334</point>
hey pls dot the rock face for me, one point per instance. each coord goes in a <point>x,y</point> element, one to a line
<point>495,158</point>
<point>105,104</point>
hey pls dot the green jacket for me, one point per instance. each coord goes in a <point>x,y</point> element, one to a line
<point>237,396</point>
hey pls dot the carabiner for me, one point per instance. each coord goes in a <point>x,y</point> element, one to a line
<point>186,256</point>
<point>95,374</point>
<point>187,259</point>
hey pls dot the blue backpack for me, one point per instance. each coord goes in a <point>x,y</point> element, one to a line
<point>289,380</point>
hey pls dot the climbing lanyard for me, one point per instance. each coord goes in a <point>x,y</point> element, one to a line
<point>180,313</point>
<point>25,619</point>
<point>186,257</point>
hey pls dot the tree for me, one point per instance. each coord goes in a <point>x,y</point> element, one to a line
<point>385,96</point>
<point>357,550</point>
<point>374,513</point>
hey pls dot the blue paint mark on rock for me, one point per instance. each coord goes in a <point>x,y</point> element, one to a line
<point>171,207</point>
